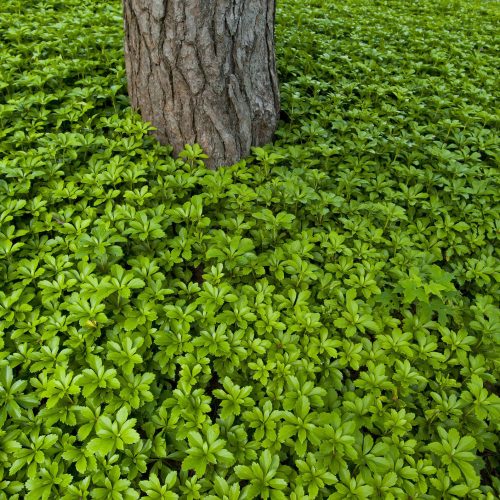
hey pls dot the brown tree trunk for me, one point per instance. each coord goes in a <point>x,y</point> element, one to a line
<point>203,71</point>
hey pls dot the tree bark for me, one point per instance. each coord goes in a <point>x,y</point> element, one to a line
<point>203,71</point>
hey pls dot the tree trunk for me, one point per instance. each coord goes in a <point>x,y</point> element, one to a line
<point>203,71</point>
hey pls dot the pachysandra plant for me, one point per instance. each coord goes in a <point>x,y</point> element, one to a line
<point>318,321</point>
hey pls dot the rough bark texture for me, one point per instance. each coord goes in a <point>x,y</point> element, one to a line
<point>203,71</point>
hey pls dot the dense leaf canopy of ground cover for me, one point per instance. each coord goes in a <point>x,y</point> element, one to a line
<point>318,321</point>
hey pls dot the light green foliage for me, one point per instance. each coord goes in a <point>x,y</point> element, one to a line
<point>319,321</point>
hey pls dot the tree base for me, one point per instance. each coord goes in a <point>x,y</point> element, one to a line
<point>203,71</point>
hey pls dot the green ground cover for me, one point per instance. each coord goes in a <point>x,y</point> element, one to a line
<point>318,321</point>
